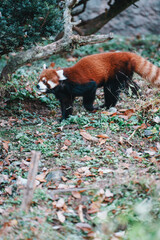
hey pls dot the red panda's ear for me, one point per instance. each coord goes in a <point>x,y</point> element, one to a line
<point>58,68</point>
<point>44,66</point>
<point>52,65</point>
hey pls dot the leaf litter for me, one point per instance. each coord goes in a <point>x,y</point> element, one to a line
<point>108,161</point>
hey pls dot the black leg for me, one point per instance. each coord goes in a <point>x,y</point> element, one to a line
<point>66,107</point>
<point>111,96</point>
<point>113,87</point>
<point>88,99</point>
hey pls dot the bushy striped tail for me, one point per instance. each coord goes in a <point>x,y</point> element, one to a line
<point>146,69</point>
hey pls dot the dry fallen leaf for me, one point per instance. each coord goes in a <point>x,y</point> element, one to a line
<point>13,222</point>
<point>102,136</point>
<point>41,177</point>
<point>150,152</point>
<point>64,148</point>
<point>120,234</point>
<point>5,145</point>
<point>158,145</point>
<point>129,151</point>
<point>84,226</point>
<point>62,186</point>
<point>129,112</point>
<point>67,142</point>
<point>111,149</point>
<point>39,141</point>
<point>102,215</point>
<point>102,141</point>
<point>108,193</point>
<point>84,171</point>
<point>2,210</point>
<point>94,207</point>
<point>101,192</point>
<point>105,170</point>
<point>143,126</point>
<point>76,194</point>
<point>121,140</point>
<point>88,136</point>
<point>60,203</point>
<point>8,190</point>
<point>107,113</point>
<point>64,179</point>
<point>86,158</point>
<point>21,181</point>
<point>156,119</point>
<point>60,216</point>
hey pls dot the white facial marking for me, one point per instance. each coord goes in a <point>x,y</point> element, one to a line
<point>44,66</point>
<point>52,84</point>
<point>60,74</point>
<point>42,87</point>
<point>44,79</point>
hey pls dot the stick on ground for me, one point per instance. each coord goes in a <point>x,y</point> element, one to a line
<point>28,192</point>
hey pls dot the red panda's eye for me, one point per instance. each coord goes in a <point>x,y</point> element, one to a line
<point>44,80</point>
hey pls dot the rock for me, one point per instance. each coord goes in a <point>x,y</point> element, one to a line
<point>112,110</point>
<point>54,176</point>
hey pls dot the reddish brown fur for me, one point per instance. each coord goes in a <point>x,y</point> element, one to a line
<point>101,67</point>
<point>98,67</point>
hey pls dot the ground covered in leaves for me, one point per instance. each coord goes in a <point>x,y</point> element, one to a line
<point>99,173</point>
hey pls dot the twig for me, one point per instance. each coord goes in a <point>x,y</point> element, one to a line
<point>56,191</point>
<point>44,21</point>
<point>132,134</point>
<point>28,192</point>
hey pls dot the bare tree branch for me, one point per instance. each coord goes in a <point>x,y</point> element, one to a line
<point>93,25</point>
<point>81,10</point>
<point>66,44</point>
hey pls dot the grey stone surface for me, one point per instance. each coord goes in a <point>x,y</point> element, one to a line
<point>133,21</point>
<point>54,175</point>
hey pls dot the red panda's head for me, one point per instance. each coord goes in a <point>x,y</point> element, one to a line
<point>49,79</point>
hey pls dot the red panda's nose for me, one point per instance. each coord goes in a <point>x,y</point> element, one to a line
<point>38,86</point>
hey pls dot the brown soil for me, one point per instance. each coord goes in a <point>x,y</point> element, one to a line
<point>32,106</point>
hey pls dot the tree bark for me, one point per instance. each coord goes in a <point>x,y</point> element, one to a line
<point>93,25</point>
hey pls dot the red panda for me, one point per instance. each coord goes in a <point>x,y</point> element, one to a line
<point>113,71</point>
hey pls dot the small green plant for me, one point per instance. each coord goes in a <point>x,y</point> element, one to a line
<point>27,22</point>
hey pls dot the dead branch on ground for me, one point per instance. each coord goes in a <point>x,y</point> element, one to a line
<point>28,192</point>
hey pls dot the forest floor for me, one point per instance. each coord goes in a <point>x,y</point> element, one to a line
<point>99,173</point>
